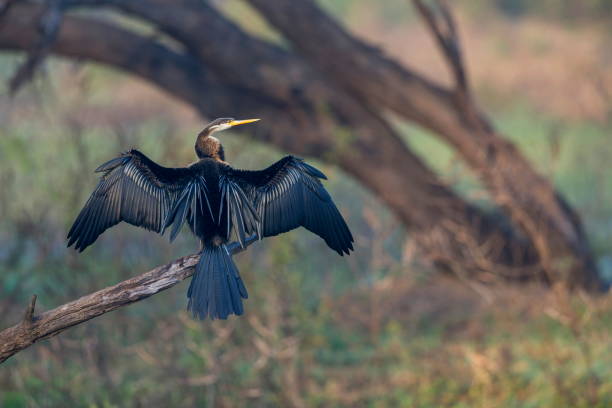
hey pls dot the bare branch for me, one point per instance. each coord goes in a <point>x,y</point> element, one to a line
<point>48,324</point>
<point>53,322</point>
<point>445,33</point>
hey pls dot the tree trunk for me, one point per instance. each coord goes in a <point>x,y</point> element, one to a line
<point>226,71</point>
<point>527,197</point>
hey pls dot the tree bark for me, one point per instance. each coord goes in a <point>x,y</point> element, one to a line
<point>223,70</point>
<point>50,323</point>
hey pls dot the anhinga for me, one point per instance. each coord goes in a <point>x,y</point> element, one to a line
<point>219,203</point>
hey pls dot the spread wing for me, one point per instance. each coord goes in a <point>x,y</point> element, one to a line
<point>133,189</point>
<point>289,194</point>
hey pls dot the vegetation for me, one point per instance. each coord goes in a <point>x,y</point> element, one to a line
<point>375,329</point>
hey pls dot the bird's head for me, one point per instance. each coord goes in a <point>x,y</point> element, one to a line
<point>223,124</point>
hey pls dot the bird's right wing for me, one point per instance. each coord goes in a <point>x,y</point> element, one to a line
<point>133,189</point>
<point>289,194</point>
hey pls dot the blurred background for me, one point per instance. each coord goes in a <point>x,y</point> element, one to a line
<point>378,328</point>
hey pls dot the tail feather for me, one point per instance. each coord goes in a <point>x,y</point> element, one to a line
<point>216,289</point>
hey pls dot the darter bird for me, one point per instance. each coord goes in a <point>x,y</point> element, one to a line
<point>226,208</point>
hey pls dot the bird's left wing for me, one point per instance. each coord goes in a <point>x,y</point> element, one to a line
<point>133,189</point>
<point>289,194</point>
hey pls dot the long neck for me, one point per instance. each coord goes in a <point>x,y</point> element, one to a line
<point>208,146</point>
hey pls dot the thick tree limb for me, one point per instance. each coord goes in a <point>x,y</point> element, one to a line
<point>380,82</point>
<point>224,47</point>
<point>52,322</point>
<point>105,43</point>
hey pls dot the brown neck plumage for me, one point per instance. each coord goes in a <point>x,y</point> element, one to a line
<point>208,146</point>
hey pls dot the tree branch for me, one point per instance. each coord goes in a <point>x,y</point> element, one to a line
<point>55,321</point>
<point>48,324</point>
<point>448,40</point>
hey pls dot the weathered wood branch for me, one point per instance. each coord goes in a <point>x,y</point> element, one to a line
<point>50,323</point>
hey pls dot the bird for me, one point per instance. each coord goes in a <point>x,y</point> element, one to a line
<point>226,208</point>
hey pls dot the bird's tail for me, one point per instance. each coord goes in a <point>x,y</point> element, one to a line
<point>216,289</point>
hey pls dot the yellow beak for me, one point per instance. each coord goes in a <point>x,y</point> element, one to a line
<point>242,122</point>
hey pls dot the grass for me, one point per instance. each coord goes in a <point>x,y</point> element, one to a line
<point>426,351</point>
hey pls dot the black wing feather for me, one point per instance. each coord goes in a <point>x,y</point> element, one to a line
<point>242,217</point>
<point>289,194</point>
<point>133,189</point>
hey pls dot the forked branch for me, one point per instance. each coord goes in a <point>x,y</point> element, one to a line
<point>444,30</point>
